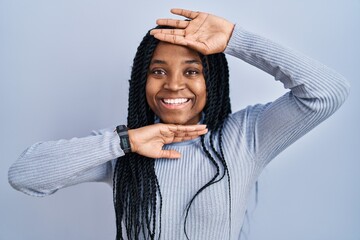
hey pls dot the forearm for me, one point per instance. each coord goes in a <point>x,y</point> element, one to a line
<point>307,78</point>
<point>45,167</point>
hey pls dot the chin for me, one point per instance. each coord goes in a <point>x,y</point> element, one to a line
<point>174,121</point>
<point>179,121</point>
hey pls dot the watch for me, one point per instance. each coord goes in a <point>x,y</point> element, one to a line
<point>122,131</point>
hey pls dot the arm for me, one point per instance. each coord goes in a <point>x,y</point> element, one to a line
<point>316,93</point>
<point>46,167</point>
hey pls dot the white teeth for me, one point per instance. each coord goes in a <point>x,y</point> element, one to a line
<point>175,100</point>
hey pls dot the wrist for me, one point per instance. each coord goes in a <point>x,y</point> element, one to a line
<point>131,140</point>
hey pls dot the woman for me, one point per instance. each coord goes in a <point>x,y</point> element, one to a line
<point>180,79</point>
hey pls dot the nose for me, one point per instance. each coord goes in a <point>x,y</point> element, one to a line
<point>175,82</point>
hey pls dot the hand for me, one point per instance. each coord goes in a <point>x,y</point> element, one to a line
<point>204,32</point>
<point>149,140</point>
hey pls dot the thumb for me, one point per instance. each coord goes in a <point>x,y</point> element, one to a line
<point>169,154</point>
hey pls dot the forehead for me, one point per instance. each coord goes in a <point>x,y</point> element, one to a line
<point>167,51</point>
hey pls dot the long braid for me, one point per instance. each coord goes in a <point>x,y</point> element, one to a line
<point>212,160</point>
<point>216,110</point>
<point>135,181</point>
<point>160,210</point>
<point>225,90</point>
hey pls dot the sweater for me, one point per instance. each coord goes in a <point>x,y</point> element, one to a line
<point>252,137</point>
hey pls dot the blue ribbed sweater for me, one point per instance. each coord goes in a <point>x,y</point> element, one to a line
<point>251,138</point>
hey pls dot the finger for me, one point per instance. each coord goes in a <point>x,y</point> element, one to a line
<point>180,134</point>
<point>172,23</point>
<point>174,39</point>
<point>175,135</point>
<point>169,154</point>
<point>183,12</point>
<point>167,134</point>
<point>202,132</point>
<point>188,135</point>
<point>182,128</point>
<point>195,133</point>
<point>189,128</point>
<point>181,131</point>
<point>184,138</point>
<point>198,133</point>
<point>177,139</point>
<point>178,32</point>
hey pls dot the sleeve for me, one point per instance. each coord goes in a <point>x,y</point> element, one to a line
<point>46,167</point>
<point>315,93</point>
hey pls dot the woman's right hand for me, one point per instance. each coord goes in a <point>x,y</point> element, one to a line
<point>149,140</point>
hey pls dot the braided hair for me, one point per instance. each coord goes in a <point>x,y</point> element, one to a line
<point>137,195</point>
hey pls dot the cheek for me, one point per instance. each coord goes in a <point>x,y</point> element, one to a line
<point>151,90</point>
<point>147,92</point>
<point>201,93</point>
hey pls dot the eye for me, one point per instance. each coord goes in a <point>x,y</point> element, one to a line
<point>192,72</point>
<point>157,72</point>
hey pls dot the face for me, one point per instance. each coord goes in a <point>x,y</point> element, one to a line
<point>175,87</point>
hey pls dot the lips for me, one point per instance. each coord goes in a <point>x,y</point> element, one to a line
<point>175,101</point>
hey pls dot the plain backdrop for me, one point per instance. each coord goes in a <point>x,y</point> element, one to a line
<point>64,70</point>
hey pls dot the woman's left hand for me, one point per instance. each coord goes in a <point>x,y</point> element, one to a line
<point>204,32</point>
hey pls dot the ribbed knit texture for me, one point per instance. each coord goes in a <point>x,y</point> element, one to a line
<point>251,138</point>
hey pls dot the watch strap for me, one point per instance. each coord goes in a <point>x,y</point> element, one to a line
<point>122,131</point>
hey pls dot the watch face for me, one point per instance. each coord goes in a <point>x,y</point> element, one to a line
<point>125,143</point>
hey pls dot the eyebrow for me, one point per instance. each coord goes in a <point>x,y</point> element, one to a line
<point>192,61</point>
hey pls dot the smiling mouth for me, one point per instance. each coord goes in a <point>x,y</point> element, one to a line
<point>175,101</point>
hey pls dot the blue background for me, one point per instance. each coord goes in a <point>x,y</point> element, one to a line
<point>64,70</point>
